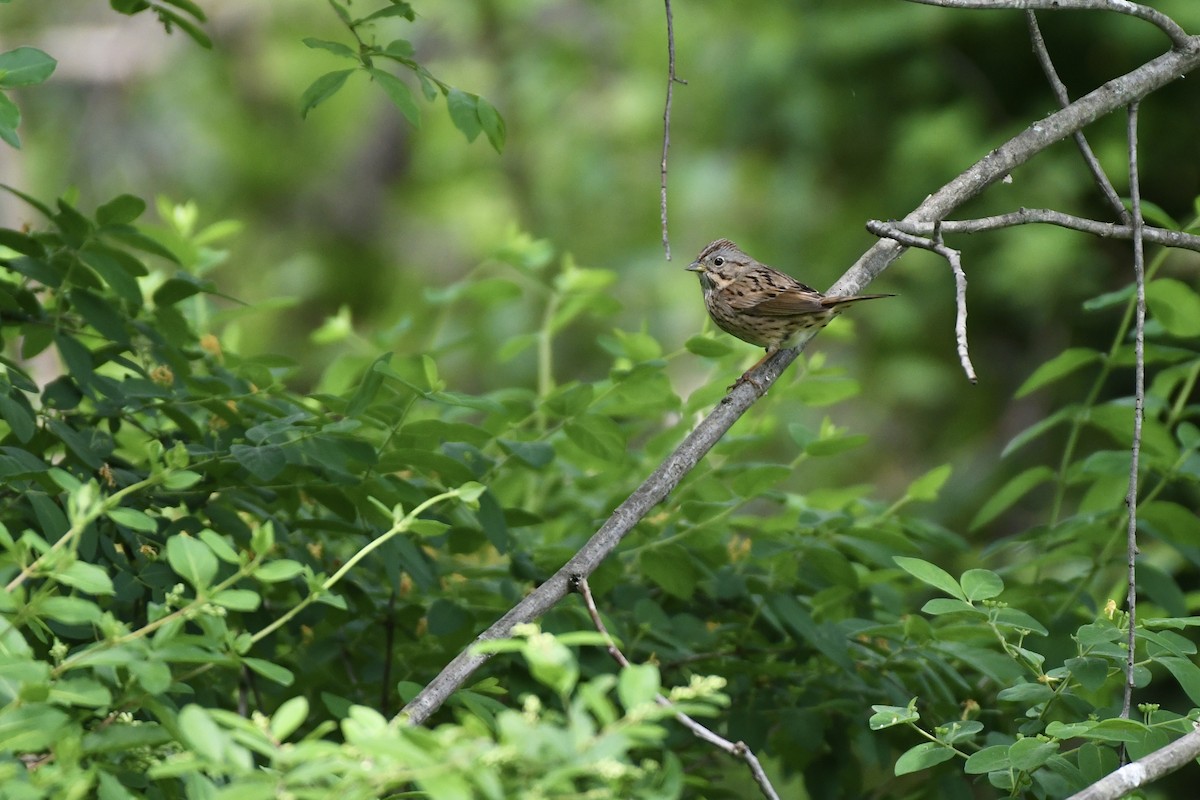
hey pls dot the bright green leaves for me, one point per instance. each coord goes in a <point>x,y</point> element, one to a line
<point>470,113</point>
<point>186,18</point>
<point>322,89</point>
<point>1175,305</point>
<point>24,66</point>
<point>192,560</point>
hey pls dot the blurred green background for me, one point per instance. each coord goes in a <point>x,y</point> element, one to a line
<point>799,121</point>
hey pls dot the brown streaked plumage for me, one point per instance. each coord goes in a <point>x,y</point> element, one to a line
<point>758,304</point>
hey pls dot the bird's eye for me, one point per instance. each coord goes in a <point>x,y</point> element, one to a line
<point>718,261</point>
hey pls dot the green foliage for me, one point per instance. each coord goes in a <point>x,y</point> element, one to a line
<point>218,584</point>
<point>24,66</point>
<point>470,113</point>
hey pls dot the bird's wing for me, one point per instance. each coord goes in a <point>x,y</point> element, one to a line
<point>779,295</point>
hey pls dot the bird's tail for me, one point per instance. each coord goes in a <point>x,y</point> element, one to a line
<point>844,300</point>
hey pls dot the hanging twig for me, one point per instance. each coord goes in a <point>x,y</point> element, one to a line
<point>954,259</point>
<point>1064,100</point>
<point>672,79</point>
<point>736,749</point>
<point>1139,392</point>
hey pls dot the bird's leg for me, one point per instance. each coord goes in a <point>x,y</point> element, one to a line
<point>758,387</point>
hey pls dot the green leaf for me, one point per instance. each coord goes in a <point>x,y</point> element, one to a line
<point>989,759</point>
<point>890,716</point>
<point>1176,305</point>
<point>981,584</point>
<point>1186,674</point>
<point>176,289</point>
<point>931,574</point>
<point>923,756</point>
<point>638,685</point>
<point>1116,730</point>
<point>707,346</point>
<point>671,568</point>
<point>270,671</point>
<point>10,120</point>
<point>322,89</point>
<point>463,112</point>
<point>399,93</point>
<point>121,210</point>
<point>238,599</point>
<point>337,48</point>
<point>948,605</point>
<point>202,734</point>
<point>264,463</point>
<point>826,391</point>
<point>1030,753</point>
<point>289,717</point>
<point>1092,673</point>
<point>368,388</point>
<point>119,270</point>
<point>533,454</point>
<point>86,692</point>
<point>18,417</point>
<point>927,487</point>
<point>133,519</point>
<point>69,610</point>
<point>1065,414</point>
<point>1060,366</point>
<point>492,123</point>
<point>169,18</point>
<point>282,569</point>
<point>86,577</point>
<point>1016,488</point>
<point>192,560</point>
<point>25,66</point>
<point>396,9</point>
<point>597,436</point>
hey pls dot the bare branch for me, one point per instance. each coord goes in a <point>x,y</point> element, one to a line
<point>1027,216</point>
<point>1139,399</point>
<point>1115,94</point>
<point>1145,770</point>
<point>672,79</point>
<point>954,258</point>
<point>1064,100</point>
<point>1178,36</point>
<point>736,749</point>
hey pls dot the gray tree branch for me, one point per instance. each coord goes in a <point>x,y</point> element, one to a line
<point>1145,770</point>
<point>1029,216</point>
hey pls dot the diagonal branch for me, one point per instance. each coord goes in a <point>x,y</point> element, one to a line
<point>1115,94</point>
<point>1178,36</point>
<point>1064,100</point>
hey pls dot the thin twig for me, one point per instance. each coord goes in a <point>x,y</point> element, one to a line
<point>1178,36</point>
<point>1028,216</point>
<point>736,749</point>
<point>954,259</point>
<point>1139,393</point>
<point>1064,100</point>
<point>1114,94</point>
<point>672,79</point>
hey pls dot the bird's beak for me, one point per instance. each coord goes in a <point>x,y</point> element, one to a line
<point>694,267</point>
